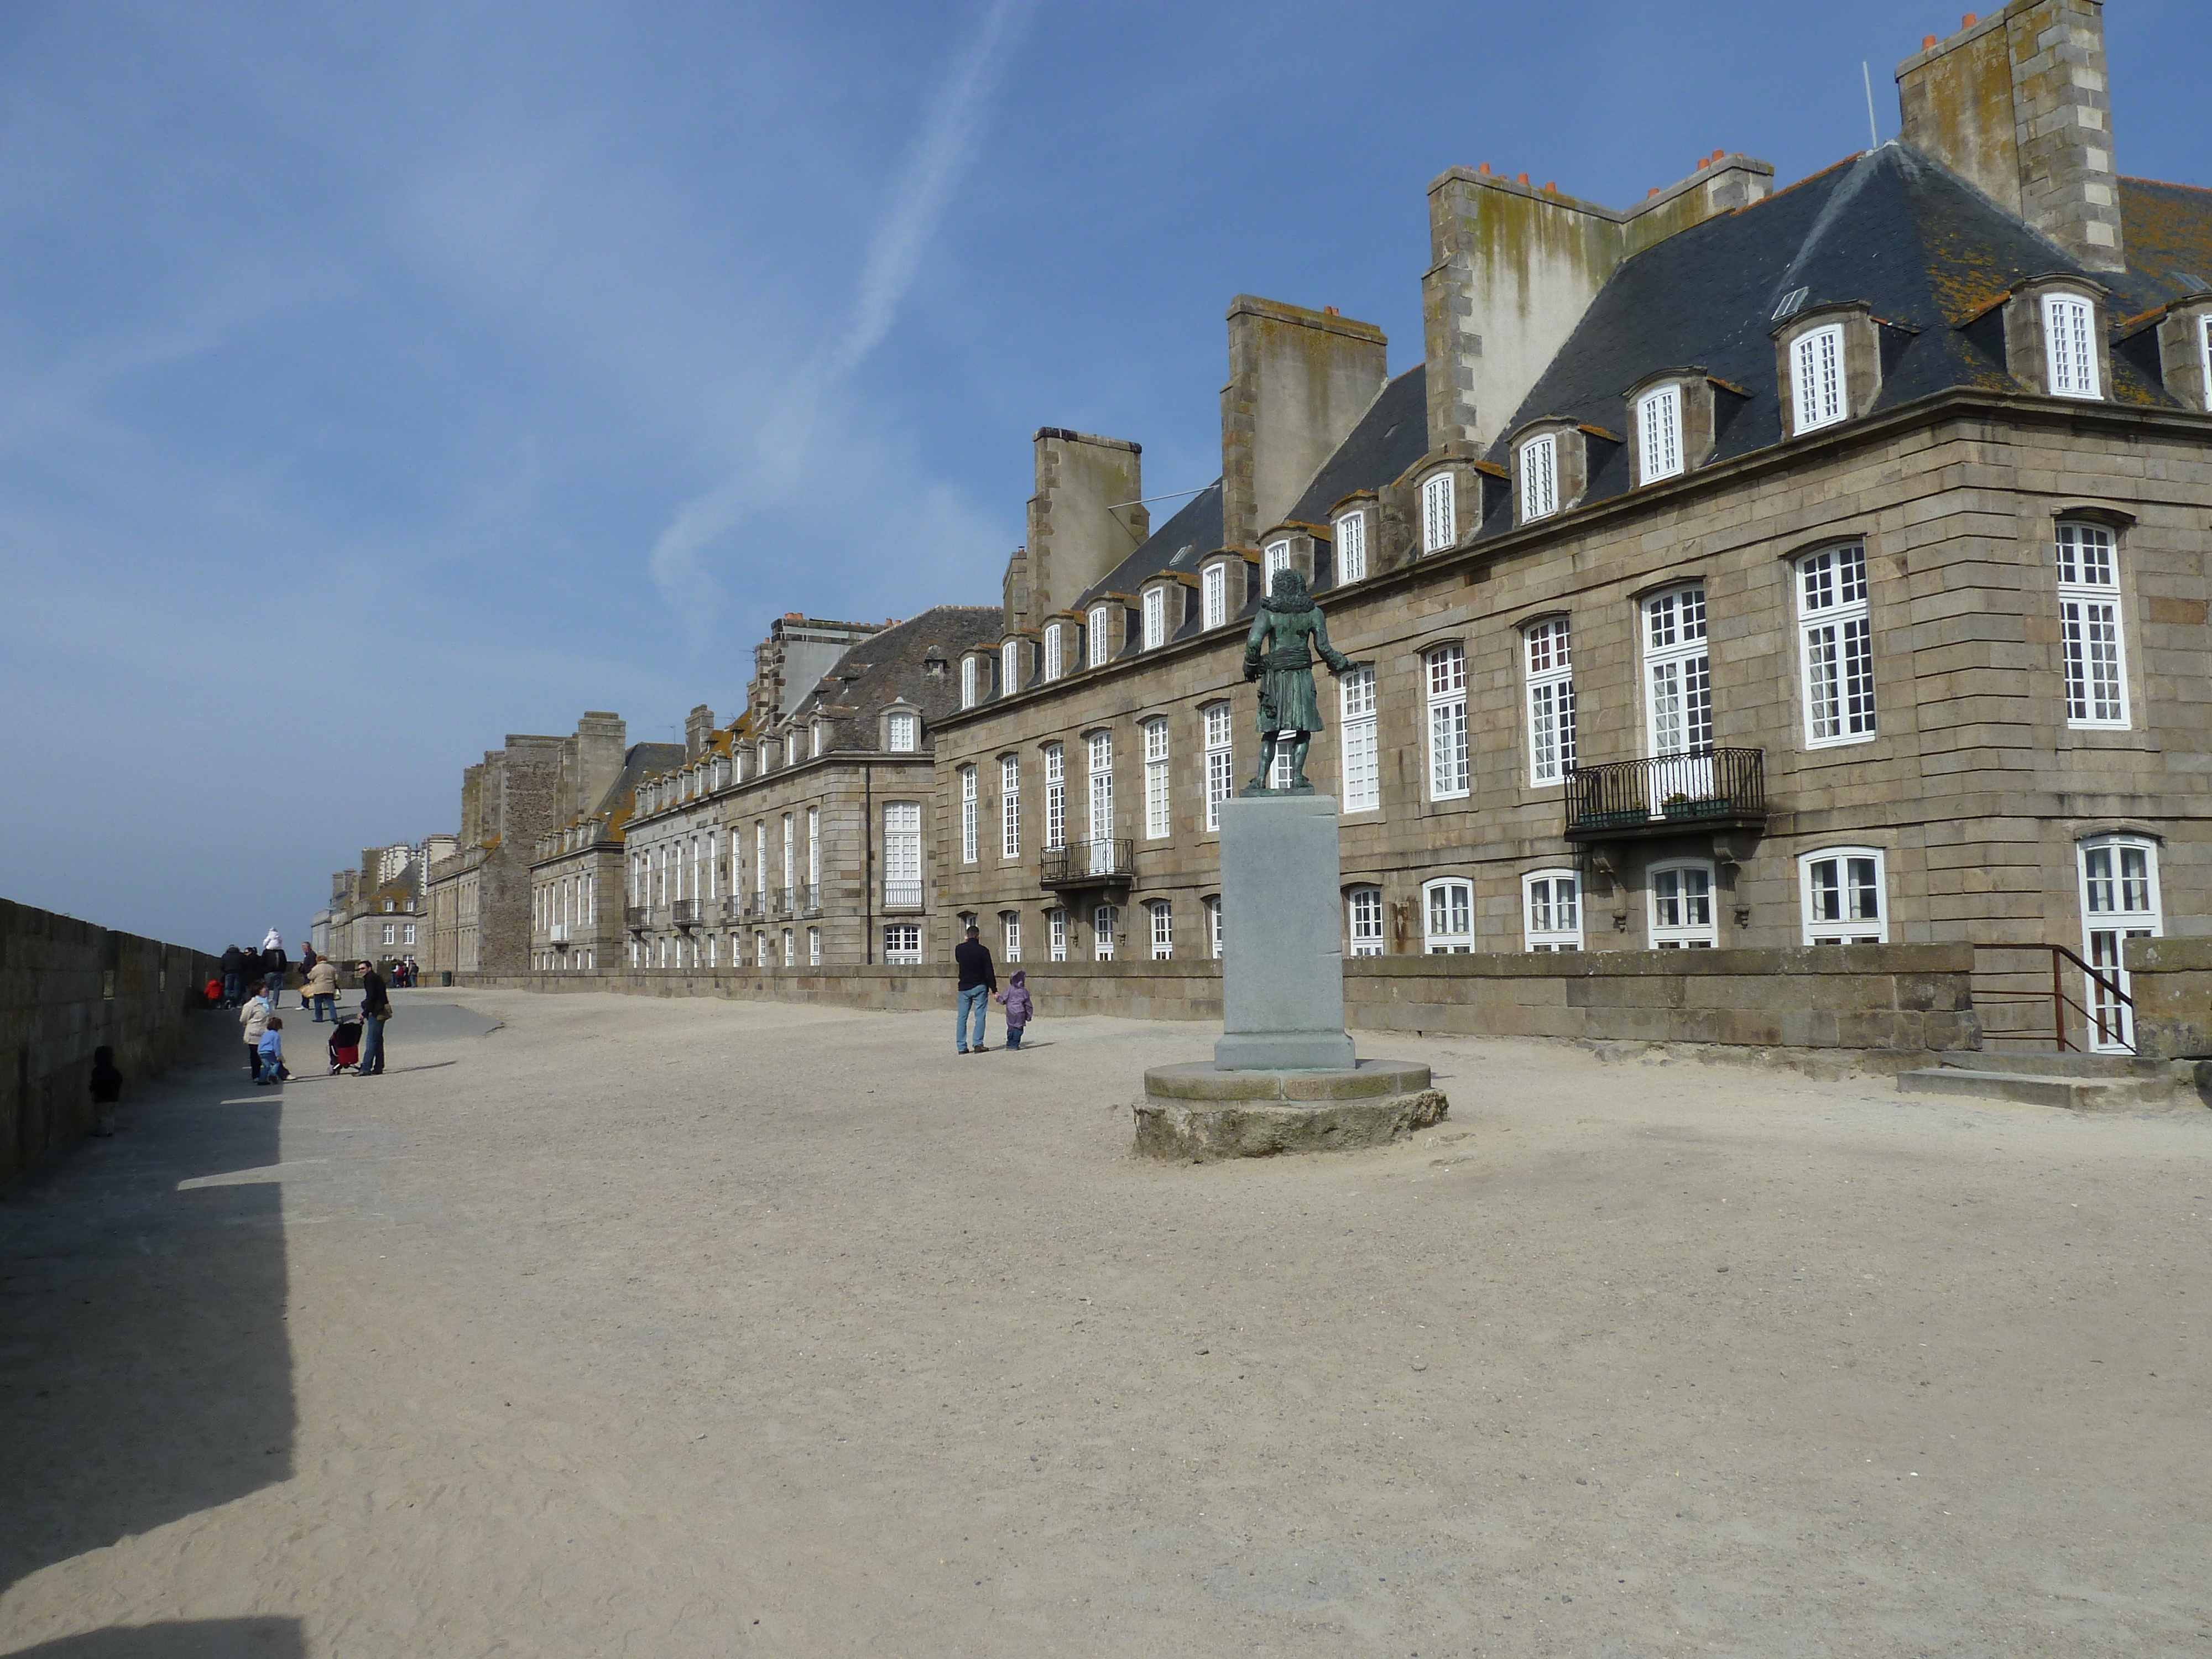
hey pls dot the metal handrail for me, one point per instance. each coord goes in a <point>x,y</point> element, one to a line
<point>2060,1002</point>
<point>637,917</point>
<point>1095,859</point>
<point>684,912</point>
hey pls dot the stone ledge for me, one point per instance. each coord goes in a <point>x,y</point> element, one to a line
<point>1205,1134</point>
<point>1367,1079</point>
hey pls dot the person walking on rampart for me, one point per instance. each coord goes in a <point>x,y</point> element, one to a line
<point>978,979</point>
<point>375,1011</point>
<point>320,989</point>
<point>272,967</point>
<point>1276,655</point>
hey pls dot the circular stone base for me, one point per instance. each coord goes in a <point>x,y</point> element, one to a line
<point>1197,1113</point>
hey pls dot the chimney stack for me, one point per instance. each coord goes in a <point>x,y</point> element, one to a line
<point>1085,518</point>
<point>2018,106</point>
<point>1299,382</point>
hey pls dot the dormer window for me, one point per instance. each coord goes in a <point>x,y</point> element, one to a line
<point>1277,557</point>
<point>902,733</point>
<point>2069,345</point>
<point>1351,548</point>
<point>1816,378</point>
<point>1439,514</point>
<point>1213,595</point>
<point>1010,668</point>
<point>1659,433</point>
<point>1539,477</point>
<point>1098,634</point>
<point>2205,357</point>
<point>821,738</point>
<point>1155,618</point>
<point>970,675</point>
<point>1053,659</point>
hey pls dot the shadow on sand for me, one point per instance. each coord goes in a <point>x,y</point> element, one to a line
<point>191,1638</point>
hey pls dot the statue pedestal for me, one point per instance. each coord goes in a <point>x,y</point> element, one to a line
<point>1283,1077</point>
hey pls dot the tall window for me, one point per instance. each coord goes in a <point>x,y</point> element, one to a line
<point>1101,827</point>
<point>1056,797</point>
<point>1212,907</point>
<point>760,949</point>
<point>1551,910</point>
<point>814,947</point>
<point>1055,930</point>
<point>1220,763</point>
<point>968,808</point>
<point>1276,556</point>
<point>1160,912</point>
<point>905,733</point>
<point>790,956</point>
<point>2069,343</point>
<point>1009,927</point>
<point>1155,618</point>
<point>1659,433</point>
<point>902,944</point>
<point>1682,907</point>
<point>2205,357</point>
<point>1103,920</point>
<point>903,854</point>
<point>1447,676</point>
<point>1551,701</point>
<point>1351,548</point>
<point>1539,477</point>
<point>1362,784</point>
<point>1055,650</point>
<point>2089,626</point>
<point>1364,909</point>
<point>790,857</point>
<point>1836,639</point>
<point>1679,681</point>
<point>2119,902</point>
<point>821,739</point>
<point>1451,910</point>
<point>1213,595</point>
<point>1439,526</point>
<point>760,862</point>
<point>1156,778</point>
<point>1010,668</point>
<point>1097,631</point>
<point>1841,891</point>
<point>1010,807</point>
<point>814,854</point>
<point>1816,377</point>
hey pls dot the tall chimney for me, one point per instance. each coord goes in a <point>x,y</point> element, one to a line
<point>1085,518</point>
<point>1299,382</point>
<point>2018,106</point>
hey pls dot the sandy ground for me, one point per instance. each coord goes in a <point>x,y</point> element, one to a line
<point>646,1328</point>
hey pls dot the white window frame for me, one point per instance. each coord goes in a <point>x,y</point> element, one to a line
<point>1834,886</point>
<point>1448,916</point>
<point>1443,671</point>
<point>1835,647</point>
<point>1678,679</point>
<point>1688,905</point>
<point>1009,808</point>
<point>2069,346</point>
<point>1220,761</point>
<point>903,854</point>
<point>1159,915</point>
<point>2093,642</point>
<point>1098,633</point>
<point>760,948</point>
<point>1551,910</point>
<point>1158,808</point>
<point>1155,618</point>
<point>1659,434</point>
<point>1010,930</point>
<point>814,851</point>
<point>1439,513</point>
<point>1537,466</point>
<point>902,733</point>
<point>790,949</point>
<point>1053,659</point>
<point>814,947</point>
<point>1351,548</point>
<point>1056,929</point>
<point>1056,797</point>
<point>1211,906</point>
<point>1213,595</point>
<point>1365,920</point>
<point>1010,668</point>
<point>970,809</point>
<point>1098,779</point>
<point>1276,556</point>
<point>1362,765</point>
<point>2204,358</point>
<point>1548,667</point>
<point>902,944</point>
<point>1819,394</point>
<point>1105,919</point>
<point>2116,906</point>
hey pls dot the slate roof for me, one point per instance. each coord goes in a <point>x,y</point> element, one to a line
<point>1890,228</point>
<point>640,762</point>
<point>894,664</point>
<point>1390,437</point>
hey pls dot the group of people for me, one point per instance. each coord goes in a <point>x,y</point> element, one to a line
<point>264,1030</point>
<point>246,971</point>
<point>979,988</point>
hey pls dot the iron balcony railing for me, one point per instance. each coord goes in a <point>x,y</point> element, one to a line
<point>1707,788</point>
<point>1099,861</point>
<point>783,901</point>
<point>902,895</point>
<point>685,913</point>
<point>557,934</point>
<point>637,917</point>
<point>809,899</point>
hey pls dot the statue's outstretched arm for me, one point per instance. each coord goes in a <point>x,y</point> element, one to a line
<point>1337,661</point>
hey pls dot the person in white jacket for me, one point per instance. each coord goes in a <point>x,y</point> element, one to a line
<point>253,1018</point>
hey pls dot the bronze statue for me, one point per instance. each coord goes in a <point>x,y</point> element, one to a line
<point>1275,654</point>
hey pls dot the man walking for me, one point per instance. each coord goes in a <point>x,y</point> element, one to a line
<point>375,1009</point>
<point>978,979</point>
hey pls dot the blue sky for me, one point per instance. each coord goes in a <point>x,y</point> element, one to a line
<point>378,380</point>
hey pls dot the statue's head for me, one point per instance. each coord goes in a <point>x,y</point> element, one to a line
<point>1289,584</point>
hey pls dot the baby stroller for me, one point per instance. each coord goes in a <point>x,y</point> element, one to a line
<point>346,1046</point>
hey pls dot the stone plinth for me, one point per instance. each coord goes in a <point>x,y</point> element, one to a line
<point>1282,937</point>
<point>1200,1113</point>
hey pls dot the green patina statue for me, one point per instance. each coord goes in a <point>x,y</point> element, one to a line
<point>1275,654</point>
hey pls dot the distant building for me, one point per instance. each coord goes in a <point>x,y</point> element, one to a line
<point>576,877</point>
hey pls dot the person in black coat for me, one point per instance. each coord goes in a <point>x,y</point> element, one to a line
<point>375,1009</point>
<point>233,976</point>
<point>978,979</point>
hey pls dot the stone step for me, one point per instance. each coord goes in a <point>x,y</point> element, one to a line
<point>2076,1094</point>
<point>2051,1063</point>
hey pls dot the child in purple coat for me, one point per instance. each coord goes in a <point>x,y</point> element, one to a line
<point>1016,997</point>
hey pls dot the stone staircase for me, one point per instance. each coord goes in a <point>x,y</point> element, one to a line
<point>2079,1082</point>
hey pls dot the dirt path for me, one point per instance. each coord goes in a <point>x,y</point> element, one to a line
<point>661,1329</point>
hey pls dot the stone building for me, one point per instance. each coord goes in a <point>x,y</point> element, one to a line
<point>1744,569</point>
<point>478,897</point>
<point>799,837</point>
<point>377,911</point>
<point>576,874</point>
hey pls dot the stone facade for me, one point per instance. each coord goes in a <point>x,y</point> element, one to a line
<point>378,911</point>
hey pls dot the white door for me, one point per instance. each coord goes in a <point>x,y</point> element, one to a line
<point>2119,902</point>
<point>1678,697</point>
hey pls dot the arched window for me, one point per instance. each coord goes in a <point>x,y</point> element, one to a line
<point>1659,434</point>
<point>1539,477</point>
<point>2091,641</point>
<point>1550,668</point>
<point>1446,667</point>
<point>1097,631</point>
<point>1835,637</point>
<point>1351,548</point>
<point>1220,763</point>
<point>1551,910</point>
<point>1816,378</point>
<point>1449,907</point>
<point>1439,514</point>
<point>1843,893</point>
<point>1682,907</point>
<point>1158,819</point>
<point>1363,910</point>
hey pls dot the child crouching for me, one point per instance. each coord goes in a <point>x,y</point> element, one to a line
<point>271,1050</point>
